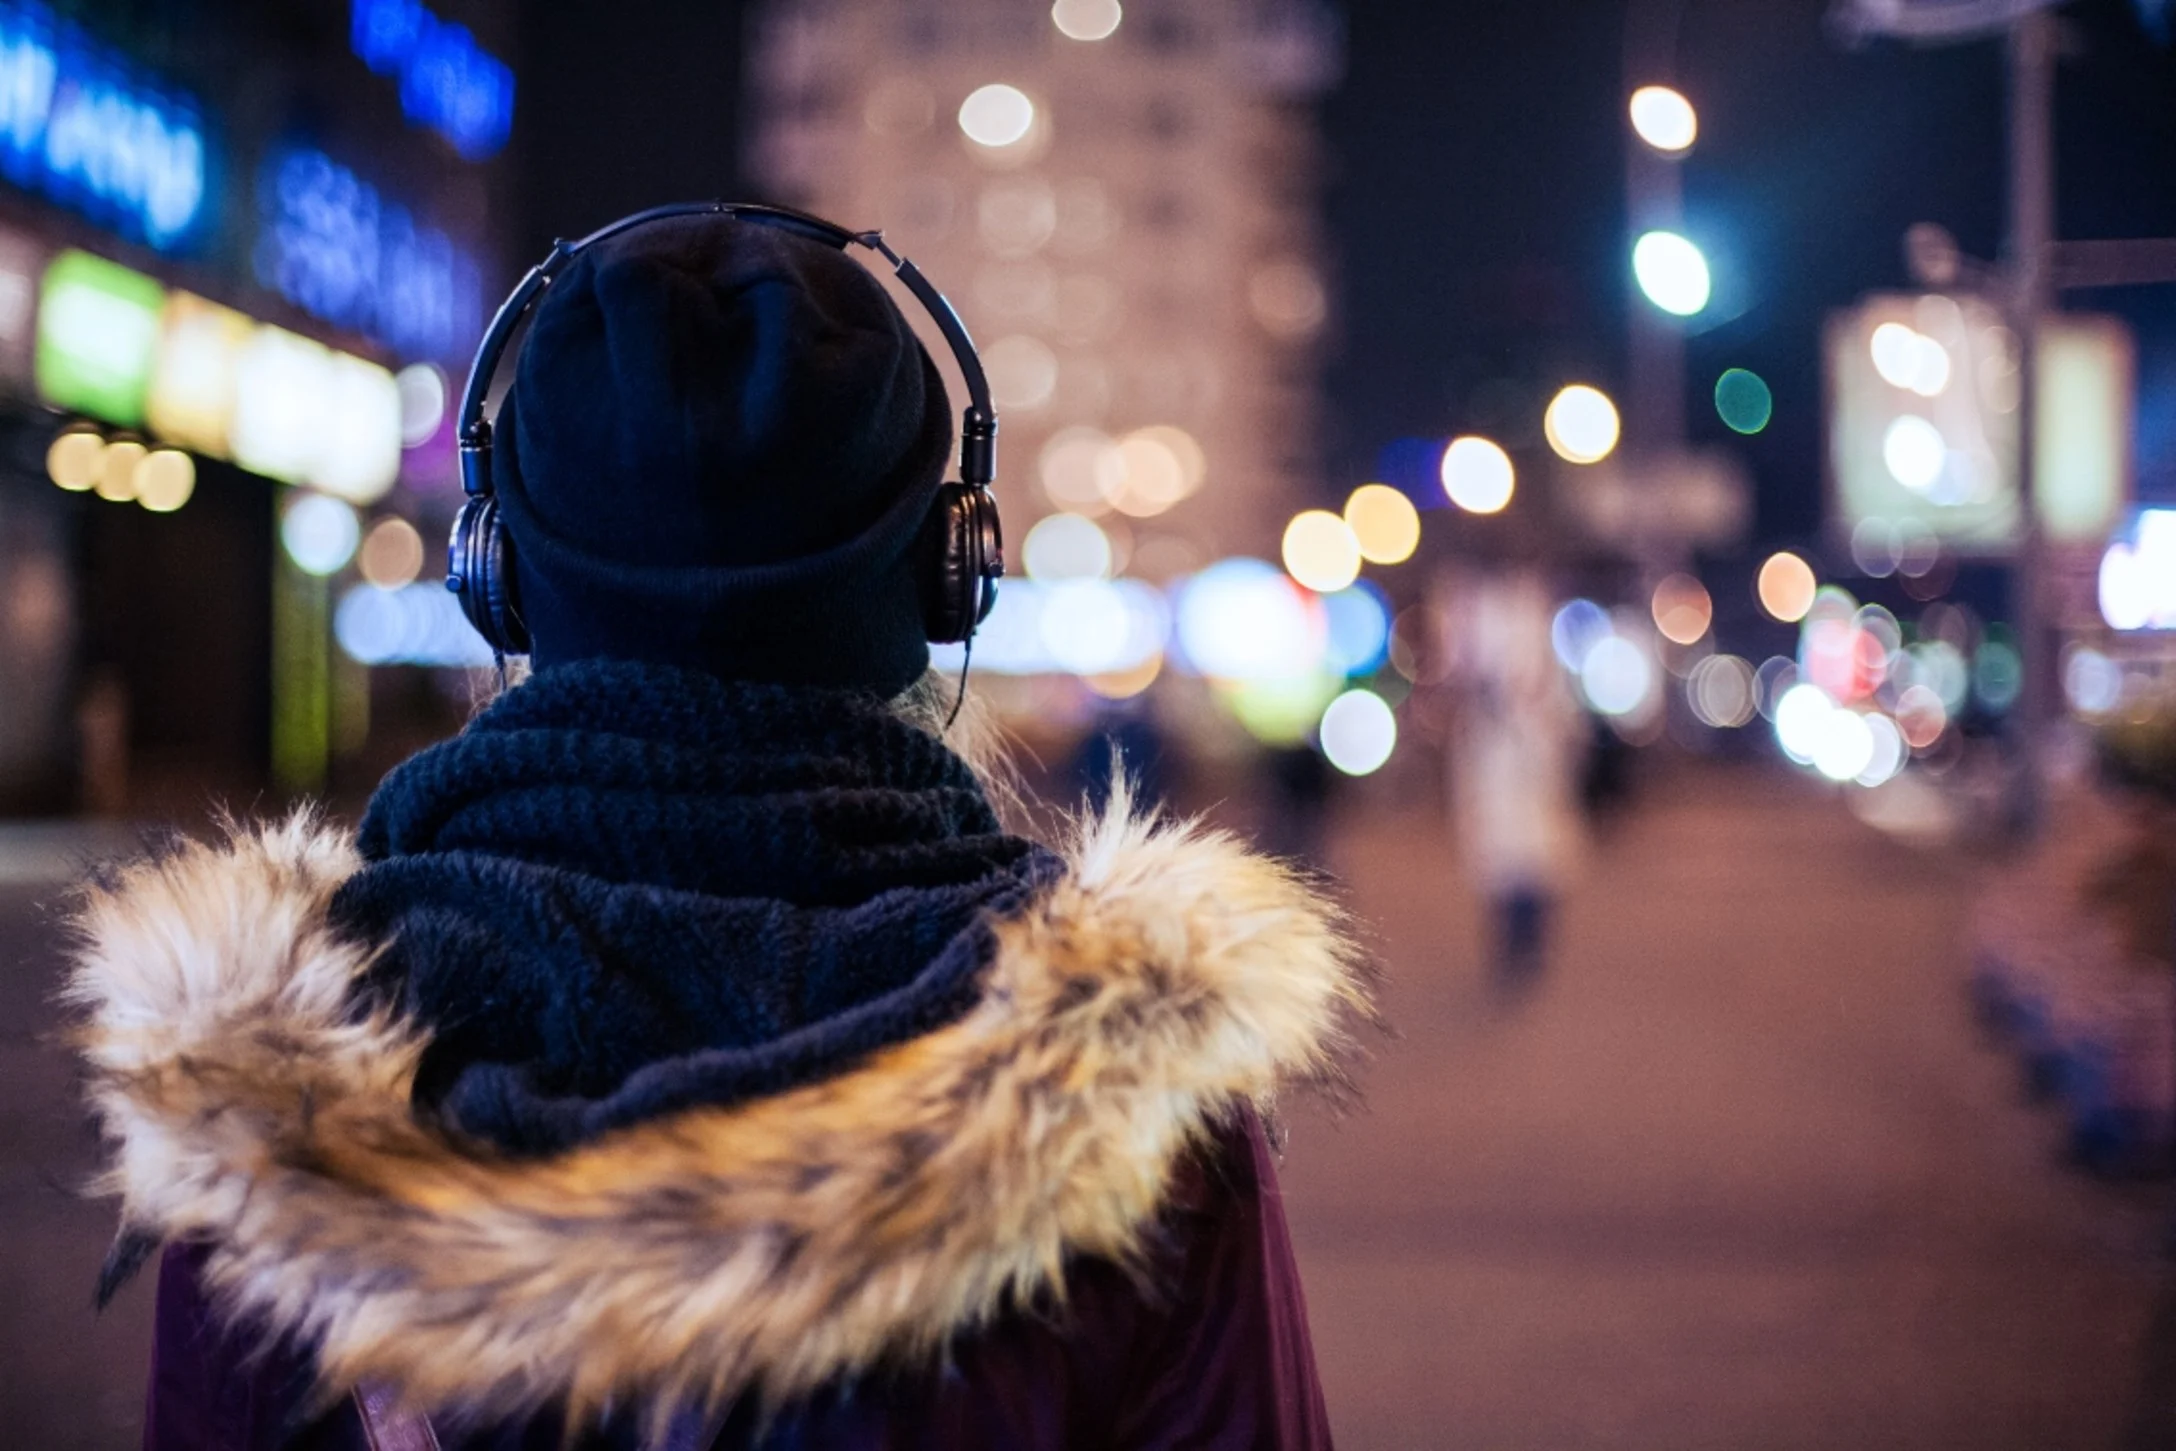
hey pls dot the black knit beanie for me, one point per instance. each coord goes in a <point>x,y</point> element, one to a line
<point>718,451</point>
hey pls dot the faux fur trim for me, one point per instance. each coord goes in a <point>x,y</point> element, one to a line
<point>1167,976</point>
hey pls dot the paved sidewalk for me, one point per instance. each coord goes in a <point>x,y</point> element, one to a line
<point>1739,1174</point>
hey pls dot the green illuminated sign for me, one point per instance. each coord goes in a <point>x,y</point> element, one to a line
<point>98,330</point>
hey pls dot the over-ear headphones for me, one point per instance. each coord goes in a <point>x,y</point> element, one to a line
<point>963,550</point>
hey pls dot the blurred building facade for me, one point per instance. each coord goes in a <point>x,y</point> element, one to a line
<point>1123,206</point>
<point>241,248</point>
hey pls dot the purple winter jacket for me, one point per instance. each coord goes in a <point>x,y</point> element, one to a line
<point>1209,1350</point>
<point>1052,1223</point>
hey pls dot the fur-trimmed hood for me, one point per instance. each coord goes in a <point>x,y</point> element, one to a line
<point>1165,978</point>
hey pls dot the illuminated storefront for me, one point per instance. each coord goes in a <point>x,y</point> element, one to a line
<point>224,346</point>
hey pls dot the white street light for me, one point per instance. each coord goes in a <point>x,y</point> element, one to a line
<point>1664,119</point>
<point>1671,272</point>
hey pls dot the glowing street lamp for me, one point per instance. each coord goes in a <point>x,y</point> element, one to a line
<point>1664,119</point>
<point>1672,272</point>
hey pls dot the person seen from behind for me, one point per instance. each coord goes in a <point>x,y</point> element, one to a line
<point>685,1055</point>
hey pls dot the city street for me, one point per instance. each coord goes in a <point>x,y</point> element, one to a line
<point>1739,1173</point>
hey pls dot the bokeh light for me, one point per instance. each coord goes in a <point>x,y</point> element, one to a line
<point>1616,676</point>
<point>1358,732</point>
<point>116,480</point>
<point>996,115</point>
<point>1998,675</point>
<point>1786,586</point>
<point>1776,675</point>
<point>1672,273</point>
<point>1084,626</point>
<point>165,480</point>
<point>1384,522</point>
<point>1287,298</point>
<point>1086,19</point>
<point>1477,475</point>
<point>1906,358</point>
<point>1920,716</point>
<point>1663,118</point>
<point>1742,400</point>
<point>1358,622</point>
<point>1800,717</point>
<point>391,553</point>
<point>72,459</point>
<point>1577,625</point>
<point>1682,609</point>
<point>1914,452</point>
<point>1843,745</point>
<point>419,624</point>
<point>422,402</point>
<point>1320,551</point>
<point>1023,372</point>
<point>1150,469</point>
<point>1066,546</point>
<point>1581,424</point>
<point>1720,690</point>
<point>1886,755</point>
<point>1243,619</point>
<point>2092,682</point>
<point>1080,469</point>
<point>320,533</point>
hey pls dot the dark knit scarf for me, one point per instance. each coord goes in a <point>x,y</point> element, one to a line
<point>628,889</point>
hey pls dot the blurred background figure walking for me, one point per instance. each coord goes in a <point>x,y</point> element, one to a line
<point>1517,740</point>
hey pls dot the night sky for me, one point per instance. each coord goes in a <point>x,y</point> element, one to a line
<point>1475,199</point>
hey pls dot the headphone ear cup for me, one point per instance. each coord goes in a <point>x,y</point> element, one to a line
<point>944,572</point>
<point>481,574</point>
<point>956,568</point>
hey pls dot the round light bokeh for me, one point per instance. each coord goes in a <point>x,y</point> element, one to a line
<point>1384,523</point>
<point>1682,609</point>
<point>1575,628</point>
<point>1786,586</point>
<point>1023,372</point>
<point>1066,546</point>
<point>997,115</point>
<point>1086,19</point>
<point>422,402</point>
<point>320,533</point>
<point>1721,690</point>
<point>1743,400</point>
<point>1477,475</point>
<point>1663,118</point>
<point>1320,551</point>
<point>1358,732</point>
<point>72,460</point>
<point>116,481</point>
<point>391,553</point>
<point>1914,452</point>
<point>1581,424</point>
<point>165,480</point>
<point>1616,676</point>
<point>1672,272</point>
<point>1244,619</point>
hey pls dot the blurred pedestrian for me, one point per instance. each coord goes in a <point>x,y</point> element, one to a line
<point>1517,744</point>
<point>685,1055</point>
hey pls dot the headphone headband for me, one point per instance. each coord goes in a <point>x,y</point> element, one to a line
<point>978,421</point>
<point>959,578</point>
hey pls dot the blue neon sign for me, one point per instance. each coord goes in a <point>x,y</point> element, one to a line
<point>447,81</point>
<point>331,245</point>
<point>77,125</point>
